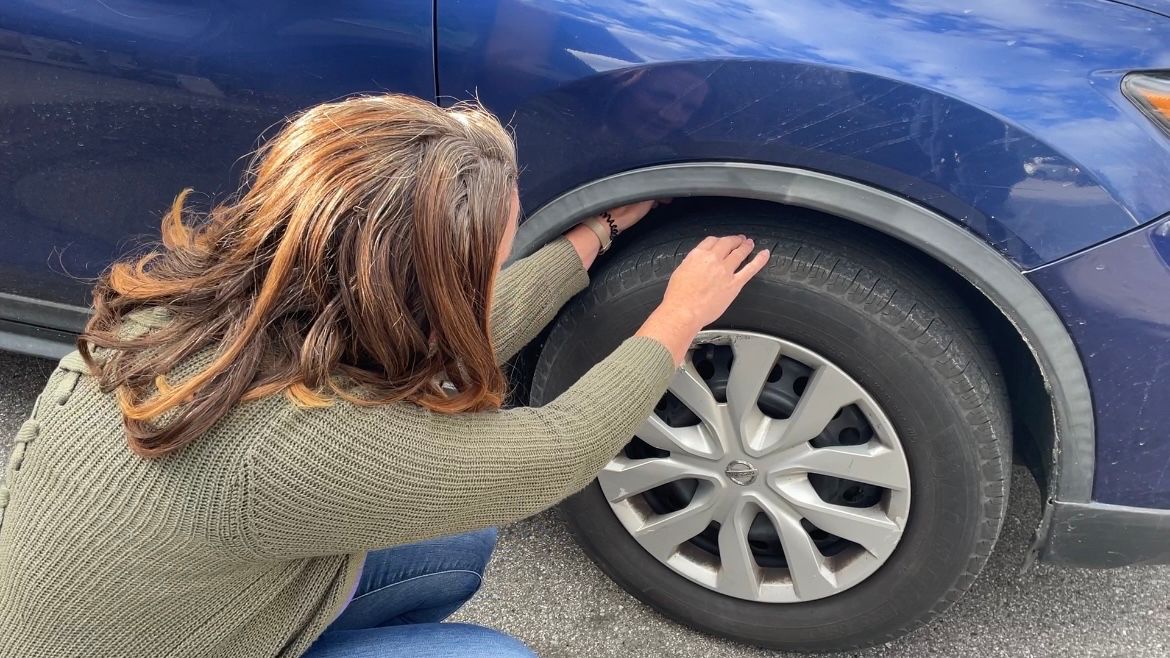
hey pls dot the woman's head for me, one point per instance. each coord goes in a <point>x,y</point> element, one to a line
<point>357,262</point>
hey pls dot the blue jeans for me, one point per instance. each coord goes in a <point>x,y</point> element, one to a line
<point>403,594</point>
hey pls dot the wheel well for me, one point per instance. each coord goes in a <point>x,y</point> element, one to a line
<point>1033,430</point>
<point>1029,400</point>
<point>1069,465</point>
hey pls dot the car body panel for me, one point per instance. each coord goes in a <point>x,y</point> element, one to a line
<point>1114,300</point>
<point>1006,119</point>
<point>1161,7</point>
<point>109,109</point>
<point>946,108</point>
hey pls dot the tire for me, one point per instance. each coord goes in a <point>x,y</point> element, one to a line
<point>883,316</point>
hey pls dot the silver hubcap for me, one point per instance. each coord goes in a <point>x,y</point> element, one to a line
<point>766,474</point>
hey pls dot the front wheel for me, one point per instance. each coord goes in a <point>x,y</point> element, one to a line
<point>829,467</point>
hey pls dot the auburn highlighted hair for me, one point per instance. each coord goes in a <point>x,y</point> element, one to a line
<point>356,262</point>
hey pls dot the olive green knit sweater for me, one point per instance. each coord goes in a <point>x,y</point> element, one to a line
<point>248,542</point>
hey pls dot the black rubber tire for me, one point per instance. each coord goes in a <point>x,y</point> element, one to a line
<point>882,314</point>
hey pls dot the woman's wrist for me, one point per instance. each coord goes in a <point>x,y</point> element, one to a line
<point>674,328</point>
<point>585,242</point>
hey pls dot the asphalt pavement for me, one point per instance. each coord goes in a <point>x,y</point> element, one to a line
<point>541,588</point>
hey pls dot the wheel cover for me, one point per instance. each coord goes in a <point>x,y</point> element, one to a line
<point>766,473</point>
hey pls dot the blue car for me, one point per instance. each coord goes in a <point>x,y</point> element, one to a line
<point>966,205</point>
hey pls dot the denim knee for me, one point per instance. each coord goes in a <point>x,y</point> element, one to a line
<point>419,641</point>
<point>490,643</point>
<point>481,543</point>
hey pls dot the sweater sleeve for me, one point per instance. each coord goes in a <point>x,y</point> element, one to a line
<point>529,293</point>
<point>345,478</point>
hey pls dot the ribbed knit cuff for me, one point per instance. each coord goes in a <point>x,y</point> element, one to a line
<point>562,267</point>
<point>648,358</point>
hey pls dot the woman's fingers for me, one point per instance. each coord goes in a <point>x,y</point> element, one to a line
<point>752,268</point>
<point>707,242</point>
<point>724,246</point>
<point>737,255</point>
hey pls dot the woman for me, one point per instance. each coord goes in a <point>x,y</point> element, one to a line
<point>307,376</point>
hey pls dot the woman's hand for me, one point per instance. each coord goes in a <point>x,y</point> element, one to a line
<point>630,214</point>
<point>701,289</point>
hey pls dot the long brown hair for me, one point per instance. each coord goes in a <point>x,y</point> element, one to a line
<point>356,262</point>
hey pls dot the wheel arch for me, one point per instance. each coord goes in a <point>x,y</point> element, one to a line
<point>1071,459</point>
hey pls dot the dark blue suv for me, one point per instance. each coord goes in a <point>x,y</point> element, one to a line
<point>966,205</point>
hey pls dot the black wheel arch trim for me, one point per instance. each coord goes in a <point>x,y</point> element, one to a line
<point>1071,479</point>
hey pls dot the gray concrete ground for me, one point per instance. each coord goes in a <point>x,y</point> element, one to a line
<point>541,588</point>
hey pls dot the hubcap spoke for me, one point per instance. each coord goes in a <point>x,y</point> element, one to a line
<point>695,440</point>
<point>868,526</point>
<point>827,392</point>
<point>811,576</point>
<point>624,477</point>
<point>754,358</point>
<point>662,535</point>
<point>871,463</point>
<point>738,573</point>
<point>688,386</point>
